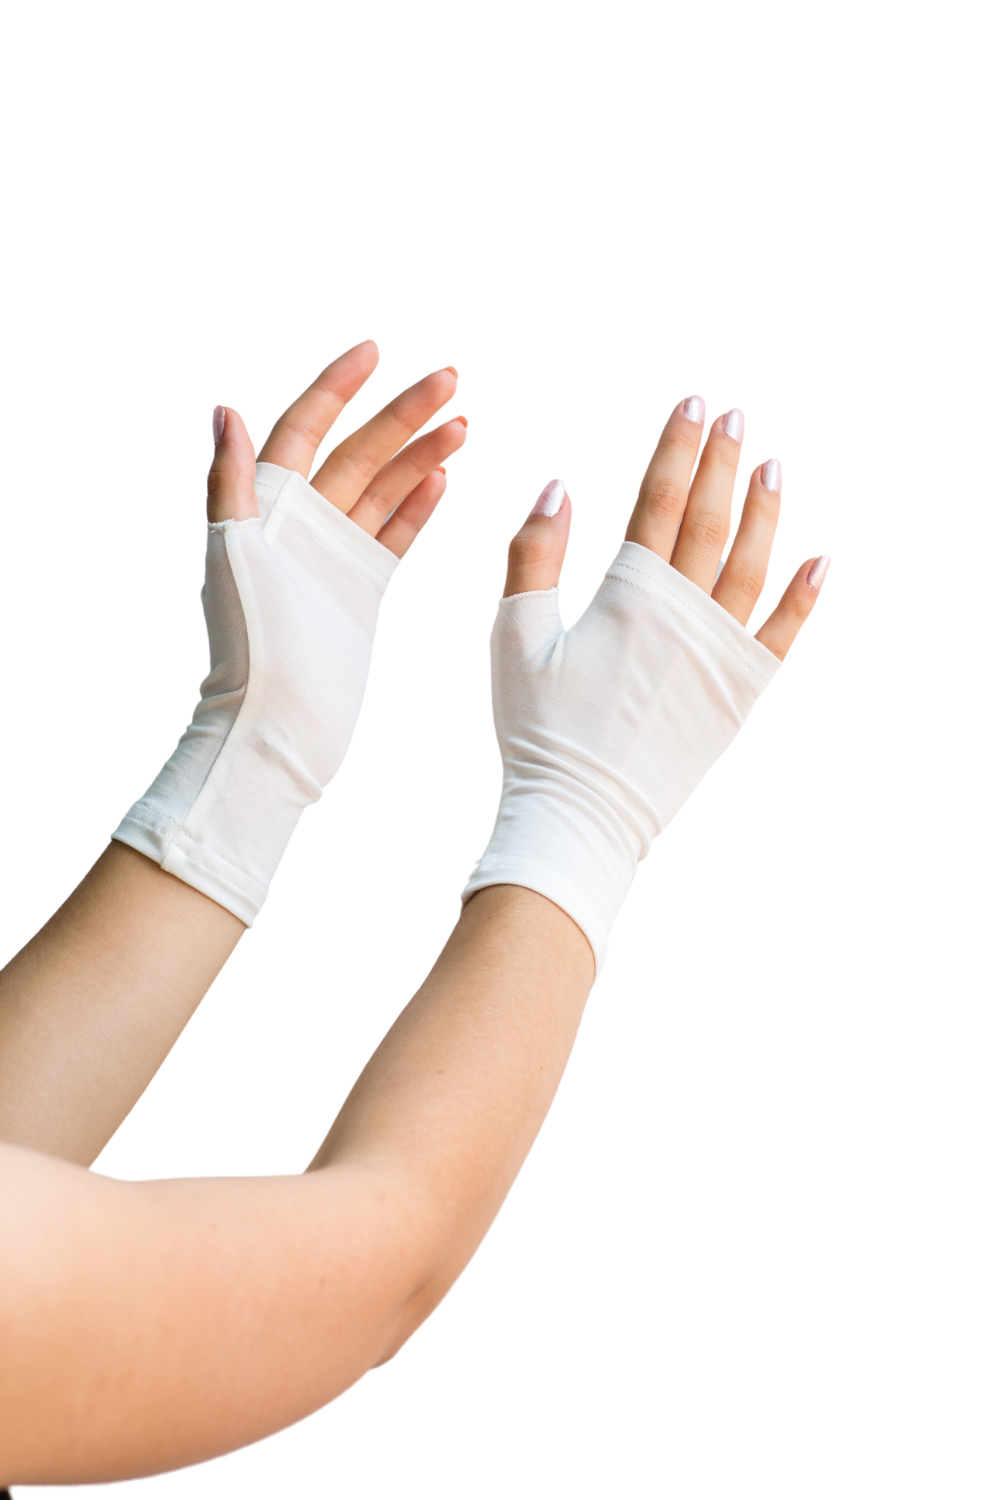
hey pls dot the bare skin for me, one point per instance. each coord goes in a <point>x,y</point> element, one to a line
<point>92,1005</point>
<point>148,1325</point>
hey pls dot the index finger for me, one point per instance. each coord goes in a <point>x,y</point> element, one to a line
<point>663,494</point>
<point>298,433</point>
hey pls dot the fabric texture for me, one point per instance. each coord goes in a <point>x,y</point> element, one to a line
<point>606,729</point>
<point>291,601</point>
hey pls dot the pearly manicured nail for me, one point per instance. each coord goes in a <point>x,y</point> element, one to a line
<point>218,424</point>
<point>694,409</point>
<point>770,475</point>
<point>816,574</point>
<point>550,500</point>
<point>732,424</point>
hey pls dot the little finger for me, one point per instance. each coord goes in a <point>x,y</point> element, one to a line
<point>779,631</point>
<point>400,531</point>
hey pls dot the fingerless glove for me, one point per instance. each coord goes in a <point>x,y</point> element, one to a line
<point>606,729</point>
<point>291,599</point>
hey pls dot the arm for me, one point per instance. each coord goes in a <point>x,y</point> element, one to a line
<point>93,1004</point>
<point>150,1325</point>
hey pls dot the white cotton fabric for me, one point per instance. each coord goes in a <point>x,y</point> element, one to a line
<point>606,729</point>
<point>291,600</point>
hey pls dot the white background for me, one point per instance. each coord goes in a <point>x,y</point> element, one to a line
<point>755,1251</point>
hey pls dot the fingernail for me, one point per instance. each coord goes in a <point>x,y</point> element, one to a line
<point>218,424</point>
<point>452,369</point>
<point>816,574</point>
<point>770,475</point>
<point>732,424</point>
<point>549,502</point>
<point>442,469</point>
<point>464,421</point>
<point>694,409</point>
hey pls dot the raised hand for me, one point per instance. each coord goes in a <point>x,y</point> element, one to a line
<point>686,522</point>
<point>607,728</point>
<point>388,489</point>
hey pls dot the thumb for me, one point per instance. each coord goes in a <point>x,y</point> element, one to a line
<point>231,493</point>
<point>536,554</point>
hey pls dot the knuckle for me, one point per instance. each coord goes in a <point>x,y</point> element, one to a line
<point>665,498</point>
<point>719,456</point>
<point>764,504</point>
<point>707,529</point>
<point>748,578</point>
<point>528,548</point>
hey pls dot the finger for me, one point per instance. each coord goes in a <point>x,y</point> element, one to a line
<point>402,474</point>
<point>231,493</point>
<point>536,554</point>
<point>400,531</point>
<point>664,490</point>
<point>779,631</point>
<point>741,580</point>
<point>351,467</point>
<point>705,524</point>
<point>297,434</point>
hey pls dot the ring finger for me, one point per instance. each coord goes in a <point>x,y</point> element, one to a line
<point>741,580</point>
<point>403,473</point>
<point>350,468</point>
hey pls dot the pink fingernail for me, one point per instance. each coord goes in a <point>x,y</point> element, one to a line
<point>816,574</point>
<point>549,502</point>
<point>694,409</point>
<point>732,424</point>
<point>770,475</point>
<point>218,424</point>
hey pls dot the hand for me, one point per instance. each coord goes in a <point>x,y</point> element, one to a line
<point>607,728</point>
<point>294,577</point>
<point>390,494</point>
<point>687,523</point>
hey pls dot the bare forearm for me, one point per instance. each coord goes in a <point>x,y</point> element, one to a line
<point>156,1324</point>
<point>91,1006</point>
<point>458,1090</point>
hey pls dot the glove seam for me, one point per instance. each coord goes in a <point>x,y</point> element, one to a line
<point>168,833</point>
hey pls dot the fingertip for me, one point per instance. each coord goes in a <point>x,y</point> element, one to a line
<point>770,475</point>
<point>231,492</point>
<point>550,501</point>
<point>818,570</point>
<point>452,369</point>
<point>464,421</point>
<point>693,408</point>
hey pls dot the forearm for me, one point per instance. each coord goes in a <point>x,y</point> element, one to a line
<point>147,1326</point>
<point>456,1093</point>
<point>91,1006</point>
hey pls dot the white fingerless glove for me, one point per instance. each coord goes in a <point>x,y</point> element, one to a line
<point>606,729</point>
<point>291,600</point>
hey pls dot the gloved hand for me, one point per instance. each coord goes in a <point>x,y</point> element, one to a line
<point>606,729</point>
<point>294,576</point>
